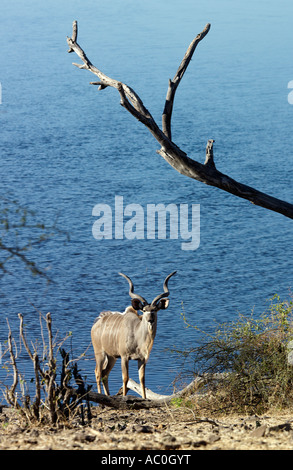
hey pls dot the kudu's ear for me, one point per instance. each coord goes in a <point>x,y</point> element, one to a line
<point>136,304</point>
<point>163,304</point>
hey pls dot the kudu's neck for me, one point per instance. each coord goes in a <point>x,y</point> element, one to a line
<point>149,328</point>
<point>145,327</point>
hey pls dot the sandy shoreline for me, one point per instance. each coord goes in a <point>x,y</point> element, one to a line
<point>156,429</point>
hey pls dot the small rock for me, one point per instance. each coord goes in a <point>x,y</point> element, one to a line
<point>170,442</point>
<point>199,443</point>
<point>142,428</point>
<point>90,438</point>
<point>121,427</point>
<point>169,438</point>
<point>213,438</point>
<point>110,428</point>
<point>281,427</point>
<point>84,437</point>
<point>259,431</point>
<point>30,441</point>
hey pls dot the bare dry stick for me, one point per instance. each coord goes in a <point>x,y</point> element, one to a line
<point>10,393</point>
<point>31,355</point>
<point>22,335</point>
<point>36,405</point>
<point>51,372</point>
<point>178,159</point>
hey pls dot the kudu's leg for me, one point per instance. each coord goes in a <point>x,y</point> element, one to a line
<point>141,375</point>
<point>125,375</point>
<point>100,361</point>
<point>98,378</point>
<point>106,372</point>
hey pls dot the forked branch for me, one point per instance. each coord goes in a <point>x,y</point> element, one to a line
<point>178,159</point>
<point>173,84</point>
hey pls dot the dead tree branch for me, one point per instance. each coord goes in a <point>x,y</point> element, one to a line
<point>62,401</point>
<point>178,159</point>
<point>152,400</point>
<point>36,405</point>
<point>10,392</point>
<point>173,84</point>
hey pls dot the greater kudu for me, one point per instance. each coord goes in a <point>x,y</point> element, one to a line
<point>127,335</point>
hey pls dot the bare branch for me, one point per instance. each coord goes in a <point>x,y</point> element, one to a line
<point>74,35</point>
<point>36,406</point>
<point>210,153</point>
<point>10,393</point>
<point>129,99</point>
<point>178,159</point>
<point>51,372</point>
<point>23,336</point>
<point>101,87</point>
<point>173,84</point>
<point>74,31</point>
<point>104,79</point>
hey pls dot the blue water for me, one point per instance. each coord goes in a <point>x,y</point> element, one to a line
<point>66,147</point>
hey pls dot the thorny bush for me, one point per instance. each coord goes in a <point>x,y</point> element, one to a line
<point>55,400</point>
<point>245,362</point>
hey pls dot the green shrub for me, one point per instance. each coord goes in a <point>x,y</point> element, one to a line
<point>244,362</point>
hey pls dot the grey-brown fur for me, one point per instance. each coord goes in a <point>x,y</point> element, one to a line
<point>127,335</point>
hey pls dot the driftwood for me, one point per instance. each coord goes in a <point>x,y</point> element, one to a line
<point>153,400</point>
<point>206,173</point>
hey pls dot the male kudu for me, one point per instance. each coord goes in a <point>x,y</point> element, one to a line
<point>127,335</point>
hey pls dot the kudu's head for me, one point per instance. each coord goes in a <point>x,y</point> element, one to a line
<point>149,310</point>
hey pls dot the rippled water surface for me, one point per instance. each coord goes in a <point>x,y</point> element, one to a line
<point>66,147</point>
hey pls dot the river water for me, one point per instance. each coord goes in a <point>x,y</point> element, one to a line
<point>65,147</point>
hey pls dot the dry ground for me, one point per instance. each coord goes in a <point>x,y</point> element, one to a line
<point>156,429</point>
